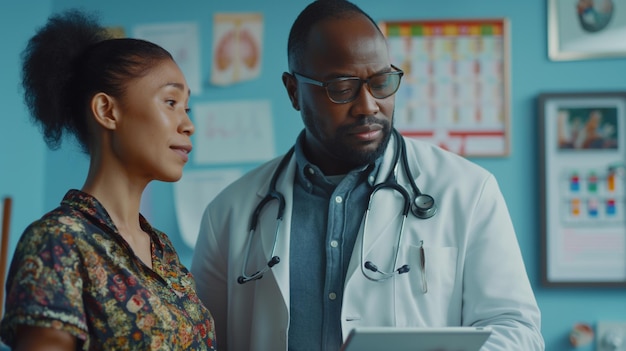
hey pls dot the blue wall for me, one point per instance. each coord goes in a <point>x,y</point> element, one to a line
<point>22,155</point>
<point>38,178</point>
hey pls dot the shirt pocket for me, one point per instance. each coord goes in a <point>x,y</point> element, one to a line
<point>425,294</point>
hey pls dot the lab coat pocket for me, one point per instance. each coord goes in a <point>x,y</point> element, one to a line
<point>428,292</point>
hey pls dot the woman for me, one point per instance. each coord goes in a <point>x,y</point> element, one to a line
<point>93,274</point>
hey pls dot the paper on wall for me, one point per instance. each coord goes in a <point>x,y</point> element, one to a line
<point>237,47</point>
<point>233,132</point>
<point>193,192</point>
<point>182,41</point>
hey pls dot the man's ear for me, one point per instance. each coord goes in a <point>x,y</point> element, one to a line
<point>104,111</point>
<point>292,89</point>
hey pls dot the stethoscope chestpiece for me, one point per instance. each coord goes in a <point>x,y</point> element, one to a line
<point>423,206</point>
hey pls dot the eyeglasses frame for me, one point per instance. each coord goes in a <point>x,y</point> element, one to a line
<point>308,80</point>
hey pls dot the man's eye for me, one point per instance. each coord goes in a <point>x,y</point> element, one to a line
<point>346,91</point>
<point>379,83</point>
<point>342,88</point>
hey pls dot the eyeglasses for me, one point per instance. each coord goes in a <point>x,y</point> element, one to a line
<point>345,89</point>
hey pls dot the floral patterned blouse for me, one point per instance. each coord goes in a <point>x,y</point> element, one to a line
<point>73,271</point>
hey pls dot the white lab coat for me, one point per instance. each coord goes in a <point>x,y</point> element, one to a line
<point>474,269</point>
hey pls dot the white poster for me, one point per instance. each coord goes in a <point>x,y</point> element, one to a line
<point>182,41</point>
<point>193,193</point>
<point>233,132</point>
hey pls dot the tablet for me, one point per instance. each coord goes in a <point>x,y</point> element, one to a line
<point>416,339</point>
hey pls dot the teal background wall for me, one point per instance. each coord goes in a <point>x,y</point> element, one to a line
<point>37,178</point>
<point>22,150</point>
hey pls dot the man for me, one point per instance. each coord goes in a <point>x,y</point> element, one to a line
<point>304,280</point>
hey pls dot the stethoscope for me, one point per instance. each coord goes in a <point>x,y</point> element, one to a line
<point>422,206</point>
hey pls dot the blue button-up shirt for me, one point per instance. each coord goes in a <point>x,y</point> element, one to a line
<point>327,215</point>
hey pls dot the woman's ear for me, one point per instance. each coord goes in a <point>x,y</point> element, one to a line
<point>103,110</point>
<point>291,84</point>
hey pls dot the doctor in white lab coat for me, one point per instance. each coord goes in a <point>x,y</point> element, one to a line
<point>472,272</point>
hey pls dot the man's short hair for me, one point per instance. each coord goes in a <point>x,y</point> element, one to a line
<point>315,12</point>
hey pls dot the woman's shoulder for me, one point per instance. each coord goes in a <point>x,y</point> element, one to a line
<point>60,227</point>
<point>61,220</point>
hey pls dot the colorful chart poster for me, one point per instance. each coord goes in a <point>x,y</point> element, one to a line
<point>455,90</point>
<point>583,148</point>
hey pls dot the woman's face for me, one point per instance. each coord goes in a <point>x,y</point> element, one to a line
<point>152,138</point>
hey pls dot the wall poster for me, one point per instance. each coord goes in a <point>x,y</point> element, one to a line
<point>583,199</point>
<point>586,29</point>
<point>237,47</point>
<point>455,91</point>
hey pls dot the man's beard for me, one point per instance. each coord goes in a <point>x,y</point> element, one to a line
<point>359,157</point>
<point>346,153</point>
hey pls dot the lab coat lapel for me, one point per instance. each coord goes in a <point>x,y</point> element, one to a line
<point>267,228</point>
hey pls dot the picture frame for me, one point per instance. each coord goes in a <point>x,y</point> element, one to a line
<point>455,91</point>
<point>582,147</point>
<point>585,29</point>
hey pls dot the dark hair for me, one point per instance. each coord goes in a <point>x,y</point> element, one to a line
<point>315,12</point>
<point>69,60</point>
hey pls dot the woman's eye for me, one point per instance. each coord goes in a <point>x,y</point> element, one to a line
<point>171,102</point>
<point>187,110</point>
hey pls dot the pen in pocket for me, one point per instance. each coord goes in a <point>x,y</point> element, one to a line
<point>423,267</point>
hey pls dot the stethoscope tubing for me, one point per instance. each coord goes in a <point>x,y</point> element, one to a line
<point>272,195</point>
<point>389,183</point>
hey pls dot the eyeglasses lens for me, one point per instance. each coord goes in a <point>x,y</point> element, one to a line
<point>380,86</point>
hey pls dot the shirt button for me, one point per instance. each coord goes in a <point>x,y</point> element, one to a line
<point>311,170</point>
<point>332,296</point>
<point>334,243</point>
<point>371,179</point>
<point>338,199</point>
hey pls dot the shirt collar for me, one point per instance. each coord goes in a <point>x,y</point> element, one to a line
<point>307,171</point>
<point>92,208</point>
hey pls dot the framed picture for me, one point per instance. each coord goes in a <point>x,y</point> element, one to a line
<point>583,190</point>
<point>586,29</point>
<point>455,88</point>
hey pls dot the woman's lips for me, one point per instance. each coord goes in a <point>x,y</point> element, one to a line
<point>182,151</point>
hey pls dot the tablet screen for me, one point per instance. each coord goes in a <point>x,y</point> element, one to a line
<point>416,339</point>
